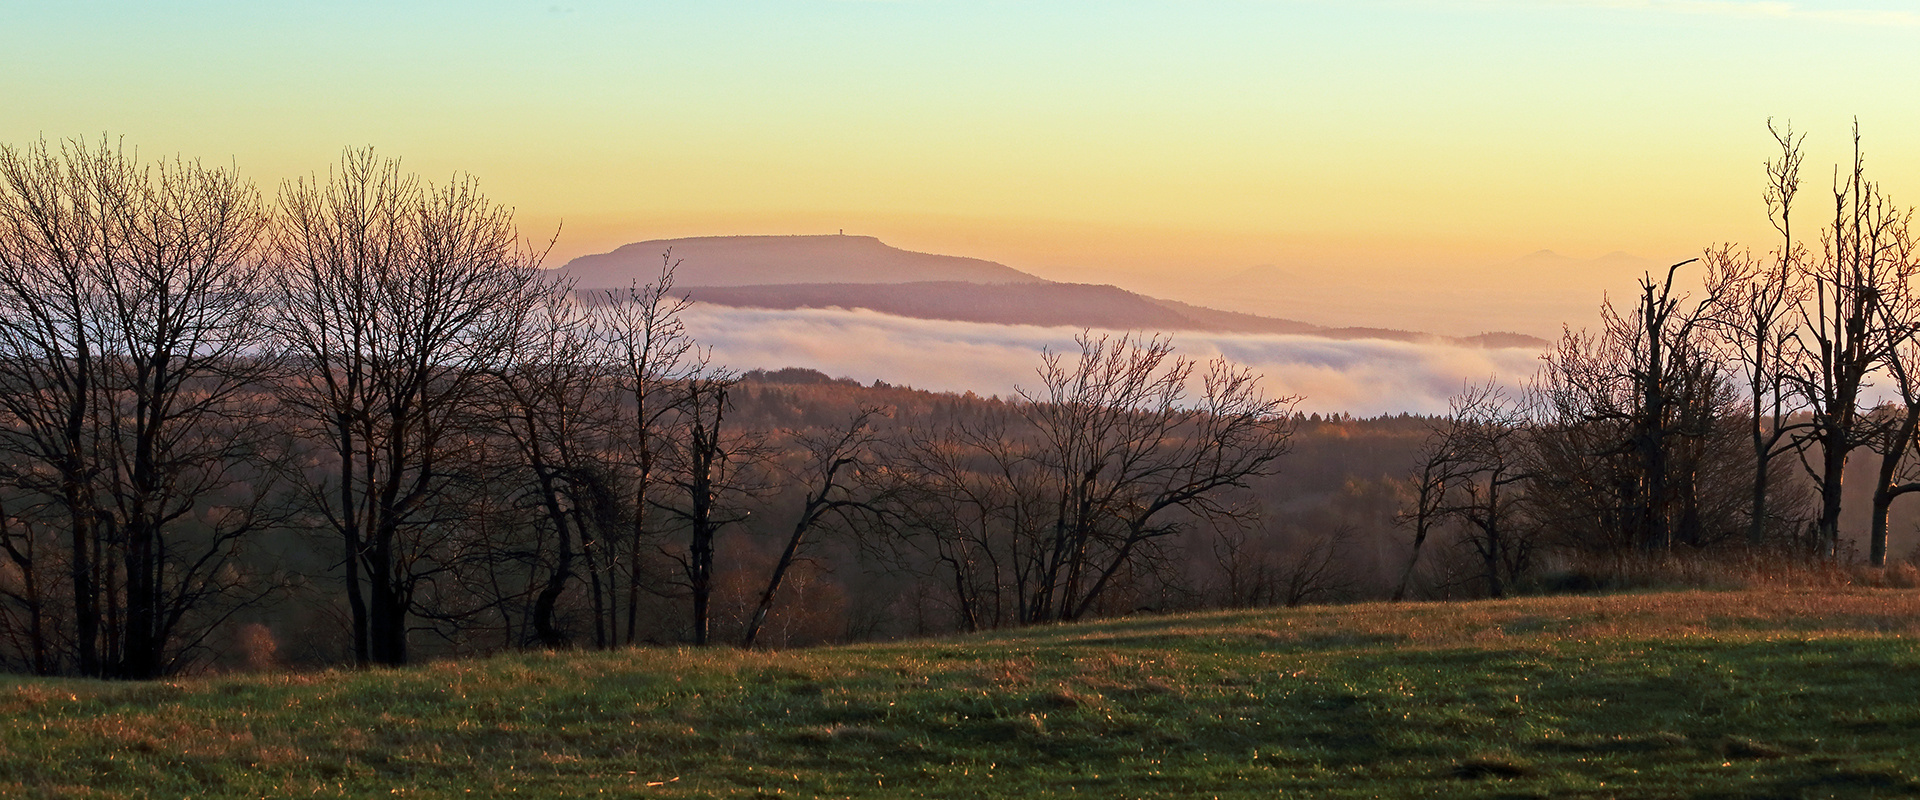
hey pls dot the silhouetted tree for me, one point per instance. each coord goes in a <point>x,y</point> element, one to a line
<point>1317,572</point>
<point>395,300</point>
<point>712,472</point>
<point>1755,318</point>
<point>650,346</point>
<point>830,459</point>
<point>1635,420</point>
<point>131,373</point>
<point>964,509</point>
<point>1120,450</point>
<point>1472,478</point>
<point>559,407</point>
<point>1466,472</point>
<point>1857,316</point>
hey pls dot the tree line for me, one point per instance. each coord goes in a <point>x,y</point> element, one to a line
<point>1722,420</point>
<point>360,411</point>
<point>373,369</point>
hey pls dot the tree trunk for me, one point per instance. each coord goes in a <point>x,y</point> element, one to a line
<point>1413,560</point>
<point>700,579</point>
<point>386,608</point>
<point>545,603</point>
<point>1833,462</point>
<point>642,483</point>
<point>1490,555</point>
<point>86,601</point>
<point>1757,520</point>
<point>1883,497</point>
<point>765,607</point>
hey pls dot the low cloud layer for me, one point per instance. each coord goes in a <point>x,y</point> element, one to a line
<point>1362,377</point>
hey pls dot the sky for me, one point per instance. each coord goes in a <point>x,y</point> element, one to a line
<point>1356,143</point>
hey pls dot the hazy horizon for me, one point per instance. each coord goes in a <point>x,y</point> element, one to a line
<point>1108,141</point>
<point>1380,163</point>
<point>1536,294</point>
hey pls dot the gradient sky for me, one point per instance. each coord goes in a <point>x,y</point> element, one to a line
<point>1071,139</point>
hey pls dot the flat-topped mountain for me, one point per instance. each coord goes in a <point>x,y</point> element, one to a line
<point>793,272</point>
<point>764,260</point>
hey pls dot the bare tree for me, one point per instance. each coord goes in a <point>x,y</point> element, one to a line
<point>963,508</point>
<point>1121,451</point>
<point>1633,420</point>
<point>1034,512</point>
<point>1474,469</point>
<point>395,300</point>
<point>1448,460</point>
<point>131,366</point>
<point>650,345</point>
<point>712,472</point>
<point>1891,428</point>
<point>1674,381</point>
<point>1286,571</point>
<point>558,407</point>
<point>1318,572</point>
<point>57,241</point>
<point>1860,284</point>
<point>1754,323</point>
<point>187,375</point>
<point>830,457</point>
<point>1755,319</point>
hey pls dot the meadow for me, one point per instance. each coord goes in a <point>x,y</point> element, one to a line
<point>1762,693</point>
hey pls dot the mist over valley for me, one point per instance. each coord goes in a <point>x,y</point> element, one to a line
<point>853,306</point>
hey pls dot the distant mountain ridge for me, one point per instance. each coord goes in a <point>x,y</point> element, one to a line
<point>796,272</point>
<point>766,260</point>
<point>1078,305</point>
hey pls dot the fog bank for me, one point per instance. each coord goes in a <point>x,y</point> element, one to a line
<point>1362,377</point>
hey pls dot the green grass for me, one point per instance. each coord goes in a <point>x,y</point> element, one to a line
<point>1736,694</point>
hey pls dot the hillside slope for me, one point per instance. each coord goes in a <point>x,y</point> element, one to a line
<point>1695,694</point>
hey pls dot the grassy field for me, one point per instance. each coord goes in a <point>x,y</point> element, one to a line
<point>1695,694</point>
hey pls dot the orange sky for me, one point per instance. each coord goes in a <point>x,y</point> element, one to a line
<point>1360,144</point>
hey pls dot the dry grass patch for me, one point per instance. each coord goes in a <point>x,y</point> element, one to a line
<point>1005,673</point>
<point>1730,694</point>
<point>1495,765</point>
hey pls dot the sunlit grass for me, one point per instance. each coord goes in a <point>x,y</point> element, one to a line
<point>1729,694</point>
